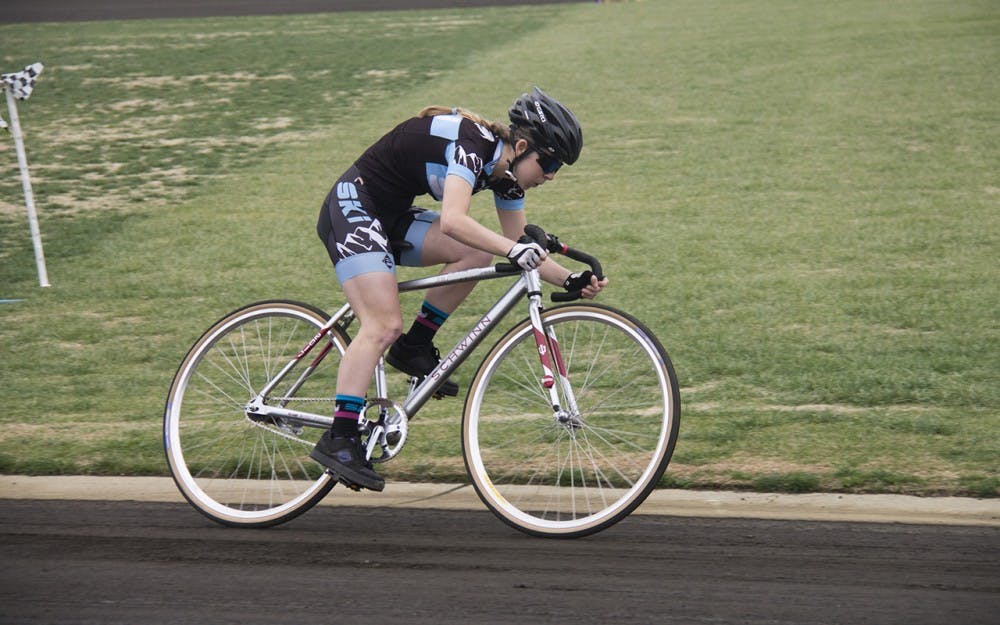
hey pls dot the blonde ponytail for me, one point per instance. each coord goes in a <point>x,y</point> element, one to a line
<point>498,129</point>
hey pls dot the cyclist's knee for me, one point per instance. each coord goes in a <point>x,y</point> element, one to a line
<point>383,331</point>
<point>392,333</point>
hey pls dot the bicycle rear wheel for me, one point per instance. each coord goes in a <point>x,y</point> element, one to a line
<point>569,473</point>
<point>235,469</point>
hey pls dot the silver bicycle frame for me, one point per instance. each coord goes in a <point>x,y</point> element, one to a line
<point>529,282</point>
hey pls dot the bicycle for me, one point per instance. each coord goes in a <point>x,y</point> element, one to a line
<point>568,424</point>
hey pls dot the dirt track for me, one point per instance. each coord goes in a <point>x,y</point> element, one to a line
<point>127,562</point>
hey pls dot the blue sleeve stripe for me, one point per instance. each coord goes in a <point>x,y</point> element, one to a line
<point>508,205</point>
<point>463,173</point>
<point>458,170</point>
<point>488,168</point>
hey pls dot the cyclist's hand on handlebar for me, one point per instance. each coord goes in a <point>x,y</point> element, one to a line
<point>578,281</point>
<point>585,282</point>
<point>527,255</point>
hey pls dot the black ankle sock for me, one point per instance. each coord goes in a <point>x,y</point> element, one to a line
<point>344,428</point>
<point>345,419</point>
<point>426,325</point>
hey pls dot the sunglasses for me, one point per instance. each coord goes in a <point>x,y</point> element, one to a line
<point>549,164</point>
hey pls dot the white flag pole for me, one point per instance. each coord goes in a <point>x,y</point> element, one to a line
<point>29,198</point>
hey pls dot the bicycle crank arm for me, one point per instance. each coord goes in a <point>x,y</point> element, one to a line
<point>386,432</point>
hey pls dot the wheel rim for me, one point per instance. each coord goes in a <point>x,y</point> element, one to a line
<point>230,467</point>
<point>571,478</point>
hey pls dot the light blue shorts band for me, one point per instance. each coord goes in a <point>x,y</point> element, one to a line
<point>415,236</point>
<point>368,262</point>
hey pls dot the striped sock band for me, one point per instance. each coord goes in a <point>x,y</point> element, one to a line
<point>349,407</point>
<point>432,317</point>
<point>345,416</point>
<point>426,325</point>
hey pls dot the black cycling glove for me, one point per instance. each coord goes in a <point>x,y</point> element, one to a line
<point>578,281</point>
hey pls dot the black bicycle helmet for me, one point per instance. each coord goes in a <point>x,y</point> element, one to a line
<point>553,127</point>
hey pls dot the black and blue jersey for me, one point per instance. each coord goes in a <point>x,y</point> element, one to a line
<point>371,205</point>
<point>415,157</point>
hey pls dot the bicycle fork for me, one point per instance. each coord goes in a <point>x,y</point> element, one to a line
<point>555,374</point>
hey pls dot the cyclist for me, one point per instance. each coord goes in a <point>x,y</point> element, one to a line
<point>369,225</point>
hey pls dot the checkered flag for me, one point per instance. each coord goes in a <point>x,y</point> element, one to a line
<point>18,86</point>
<point>21,83</point>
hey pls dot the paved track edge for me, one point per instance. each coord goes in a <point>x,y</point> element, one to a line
<point>668,502</point>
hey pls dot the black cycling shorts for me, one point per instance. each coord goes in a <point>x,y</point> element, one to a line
<point>357,240</point>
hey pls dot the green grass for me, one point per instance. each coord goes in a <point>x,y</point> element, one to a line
<point>800,198</point>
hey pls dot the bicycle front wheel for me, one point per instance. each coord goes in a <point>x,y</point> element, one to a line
<point>234,467</point>
<point>579,467</point>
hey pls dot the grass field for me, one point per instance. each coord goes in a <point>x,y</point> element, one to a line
<point>800,198</point>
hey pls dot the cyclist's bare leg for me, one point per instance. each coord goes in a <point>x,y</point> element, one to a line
<point>415,354</point>
<point>375,300</point>
<point>439,248</point>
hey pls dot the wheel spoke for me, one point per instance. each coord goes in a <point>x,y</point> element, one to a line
<point>572,474</point>
<point>236,470</point>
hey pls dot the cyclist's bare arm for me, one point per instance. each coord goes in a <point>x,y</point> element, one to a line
<point>513,222</point>
<point>459,225</point>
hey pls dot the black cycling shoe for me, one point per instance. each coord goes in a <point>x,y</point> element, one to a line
<point>418,360</point>
<point>344,458</point>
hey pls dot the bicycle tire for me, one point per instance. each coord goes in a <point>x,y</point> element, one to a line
<point>580,476</point>
<point>235,470</point>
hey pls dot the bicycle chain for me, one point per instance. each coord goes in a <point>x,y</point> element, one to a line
<point>389,454</point>
<point>279,432</point>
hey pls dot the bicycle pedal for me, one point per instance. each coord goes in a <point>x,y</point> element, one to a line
<point>447,389</point>
<point>343,481</point>
<point>333,474</point>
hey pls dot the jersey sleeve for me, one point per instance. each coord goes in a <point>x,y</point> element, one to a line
<point>508,196</point>
<point>470,154</point>
<point>467,154</point>
<point>464,161</point>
